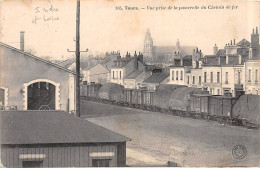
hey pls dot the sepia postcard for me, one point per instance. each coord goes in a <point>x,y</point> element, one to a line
<point>129,83</point>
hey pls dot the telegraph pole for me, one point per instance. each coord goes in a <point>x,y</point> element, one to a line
<point>77,52</point>
<point>78,60</point>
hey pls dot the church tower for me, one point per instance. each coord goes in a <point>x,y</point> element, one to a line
<point>148,45</point>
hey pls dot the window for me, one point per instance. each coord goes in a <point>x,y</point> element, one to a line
<point>30,164</point>
<point>249,75</point>
<point>188,80</point>
<point>226,82</point>
<point>100,162</point>
<point>238,77</point>
<point>113,74</point>
<point>181,75</point>
<point>120,74</point>
<point>193,80</point>
<point>172,75</point>
<point>2,97</point>
<point>217,77</point>
<point>199,80</point>
<point>256,76</point>
<point>211,77</point>
<point>177,75</point>
<point>205,77</point>
<point>218,91</point>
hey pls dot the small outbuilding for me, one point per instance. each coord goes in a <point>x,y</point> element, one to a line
<point>57,139</point>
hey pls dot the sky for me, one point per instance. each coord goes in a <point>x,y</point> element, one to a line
<point>104,28</point>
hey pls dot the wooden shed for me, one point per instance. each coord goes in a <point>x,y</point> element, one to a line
<point>57,139</point>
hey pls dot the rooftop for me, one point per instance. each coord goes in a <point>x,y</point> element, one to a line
<point>36,58</point>
<point>50,127</point>
<point>157,77</point>
<point>133,74</point>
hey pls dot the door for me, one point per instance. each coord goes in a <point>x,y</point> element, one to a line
<point>100,162</point>
<point>32,164</point>
<point>41,96</point>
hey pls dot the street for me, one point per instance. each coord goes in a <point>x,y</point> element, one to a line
<point>158,138</point>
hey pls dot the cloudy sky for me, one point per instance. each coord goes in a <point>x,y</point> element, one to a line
<point>103,28</point>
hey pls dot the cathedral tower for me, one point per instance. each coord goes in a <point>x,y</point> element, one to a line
<point>148,45</point>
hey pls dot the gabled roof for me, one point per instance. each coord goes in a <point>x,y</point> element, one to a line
<point>244,42</point>
<point>36,58</point>
<point>157,77</point>
<point>50,127</point>
<point>88,68</point>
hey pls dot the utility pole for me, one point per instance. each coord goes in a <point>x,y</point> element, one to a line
<point>77,52</point>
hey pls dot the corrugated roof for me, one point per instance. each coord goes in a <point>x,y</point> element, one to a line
<point>48,127</point>
<point>157,77</point>
<point>37,58</point>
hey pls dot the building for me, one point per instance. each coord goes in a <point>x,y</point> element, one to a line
<point>251,81</point>
<point>57,139</point>
<point>163,54</point>
<point>124,66</point>
<point>187,70</point>
<point>32,83</point>
<point>96,74</point>
<point>229,71</point>
<point>155,80</point>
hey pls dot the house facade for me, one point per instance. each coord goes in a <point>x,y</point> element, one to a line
<point>96,74</point>
<point>251,82</point>
<point>124,66</point>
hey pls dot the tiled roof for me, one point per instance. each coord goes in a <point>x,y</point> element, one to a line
<point>157,77</point>
<point>133,74</point>
<point>37,58</point>
<point>48,127</point>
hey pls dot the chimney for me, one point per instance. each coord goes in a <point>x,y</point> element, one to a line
<point>141,58</point>
<point>239,59</point>
<point>234,42</point>
<point>256,30</point>
<point>219,61</point>
<point>253,31</point>
<point>135,61</point>
<point>226,59</point>
<point>181,62</point>
<point>231,42</point>
<point>22,41</point>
